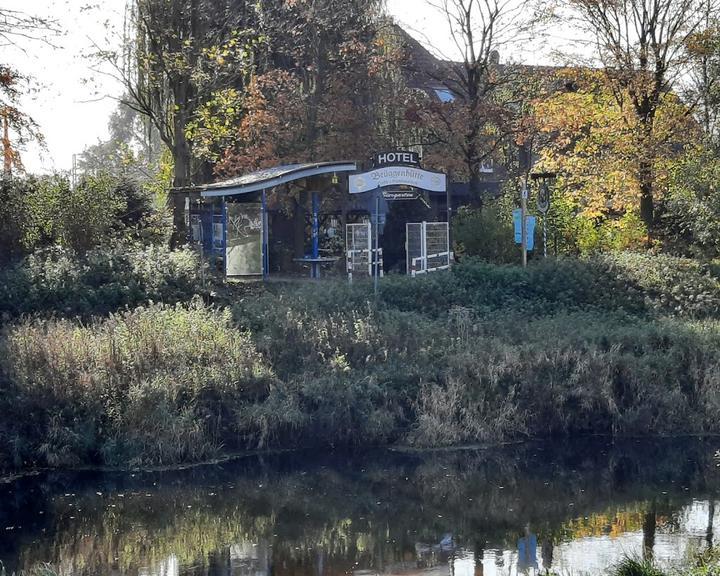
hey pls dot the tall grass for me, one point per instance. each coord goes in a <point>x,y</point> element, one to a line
<point>42,569</point>
<point>482,354</point>
<point>154,385</point>
<point>704,563</point>
<point>634,567</point>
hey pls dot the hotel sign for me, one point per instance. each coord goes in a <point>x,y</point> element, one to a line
<point>397,158</point>
<point>398,176</point>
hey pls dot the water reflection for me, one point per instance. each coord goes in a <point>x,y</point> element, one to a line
<point>521,510</point>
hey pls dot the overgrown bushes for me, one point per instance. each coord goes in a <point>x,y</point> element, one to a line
<point>626,282</point>
<point>621,345</point>
<point>100,281</point>
<point>474,375</point>
<point>155,385</point>
<point>41,212</point>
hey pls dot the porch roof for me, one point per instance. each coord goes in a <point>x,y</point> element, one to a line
<point>271,177</point>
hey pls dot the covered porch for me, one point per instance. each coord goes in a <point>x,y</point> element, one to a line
<point>320,220</point>
<point>286,221</point>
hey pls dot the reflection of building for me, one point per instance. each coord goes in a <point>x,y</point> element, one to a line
<point>527,553</point>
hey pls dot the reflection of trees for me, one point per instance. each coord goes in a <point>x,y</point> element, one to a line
<point>363,512</point>
<point>649,528</point>
<point>711,519</point>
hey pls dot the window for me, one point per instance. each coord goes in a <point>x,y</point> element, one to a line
<point>486,166</point>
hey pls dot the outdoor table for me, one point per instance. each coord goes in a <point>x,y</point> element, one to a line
<point>315,263</point>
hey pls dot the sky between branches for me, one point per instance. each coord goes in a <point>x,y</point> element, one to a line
<point>72,103</point>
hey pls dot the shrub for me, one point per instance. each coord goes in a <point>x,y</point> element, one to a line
<point>40,212</point>
<point>155,385</point>
<point>100,281</point>
<point>620,345</point>
<point>634,567</point>
<point>487,234</point>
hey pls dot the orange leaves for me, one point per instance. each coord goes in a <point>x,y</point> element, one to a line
<point>271,117</point>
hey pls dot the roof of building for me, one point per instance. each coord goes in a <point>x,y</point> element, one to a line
<point>271,177</point>
<point>422,68</point>
<point>436,76</point>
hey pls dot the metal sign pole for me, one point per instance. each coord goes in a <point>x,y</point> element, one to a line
<point>377,240</point>
<point>523,223</point>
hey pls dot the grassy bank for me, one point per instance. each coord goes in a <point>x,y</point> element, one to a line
<point>628,345</point>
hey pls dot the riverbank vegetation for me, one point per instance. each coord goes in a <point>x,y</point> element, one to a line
<point>167,372</point>
<point>118,350</point>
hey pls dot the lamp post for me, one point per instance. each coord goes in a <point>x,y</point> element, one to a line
<point>546,180</point>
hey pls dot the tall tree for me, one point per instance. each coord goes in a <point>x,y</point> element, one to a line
<point>131,149</point>
<point>592,144</point>
<point>643,47</point>
<point>17,127</point>
<point>176,56</point>
<point>704,76</point>
<point>476,114</point>
<point>316,96</point>
<point>16,27</point>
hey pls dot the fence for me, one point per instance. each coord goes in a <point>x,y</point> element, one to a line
<point>427,247</point>
<point>361,256</point>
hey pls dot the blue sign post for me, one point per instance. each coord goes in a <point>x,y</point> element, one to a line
<point>517,219</point>
<point>530,223</point>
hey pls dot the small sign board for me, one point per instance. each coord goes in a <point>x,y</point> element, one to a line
<point>543,199</point>
<point>391,194</point>
<point>530,231</point>
<point>530,223</point>
<point>517,219</point>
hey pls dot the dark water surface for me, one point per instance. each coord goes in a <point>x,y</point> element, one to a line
<point>570,507</point>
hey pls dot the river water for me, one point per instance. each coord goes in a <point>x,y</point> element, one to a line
<point>570,507</point>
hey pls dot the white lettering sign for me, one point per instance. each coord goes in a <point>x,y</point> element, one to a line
<point>398,176</point>
<point>397,158</point>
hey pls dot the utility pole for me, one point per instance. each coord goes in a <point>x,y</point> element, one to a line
<point>523,220</point>
<point>377,241</point>
<point>73,180</point>
<point>523,203</point>
<point>448,200</point>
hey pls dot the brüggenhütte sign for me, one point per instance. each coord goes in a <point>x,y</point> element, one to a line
<point>397,176</point>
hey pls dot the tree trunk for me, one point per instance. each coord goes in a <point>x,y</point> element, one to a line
<point>475,191</point>
<point>181,162</point>
<point>548,550</point>
<point>647,205</point>
<point>181,146</point>
<point>711,520</point>
<point>478,555</point>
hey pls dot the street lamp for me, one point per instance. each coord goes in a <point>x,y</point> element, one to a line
<point>547,180</point>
